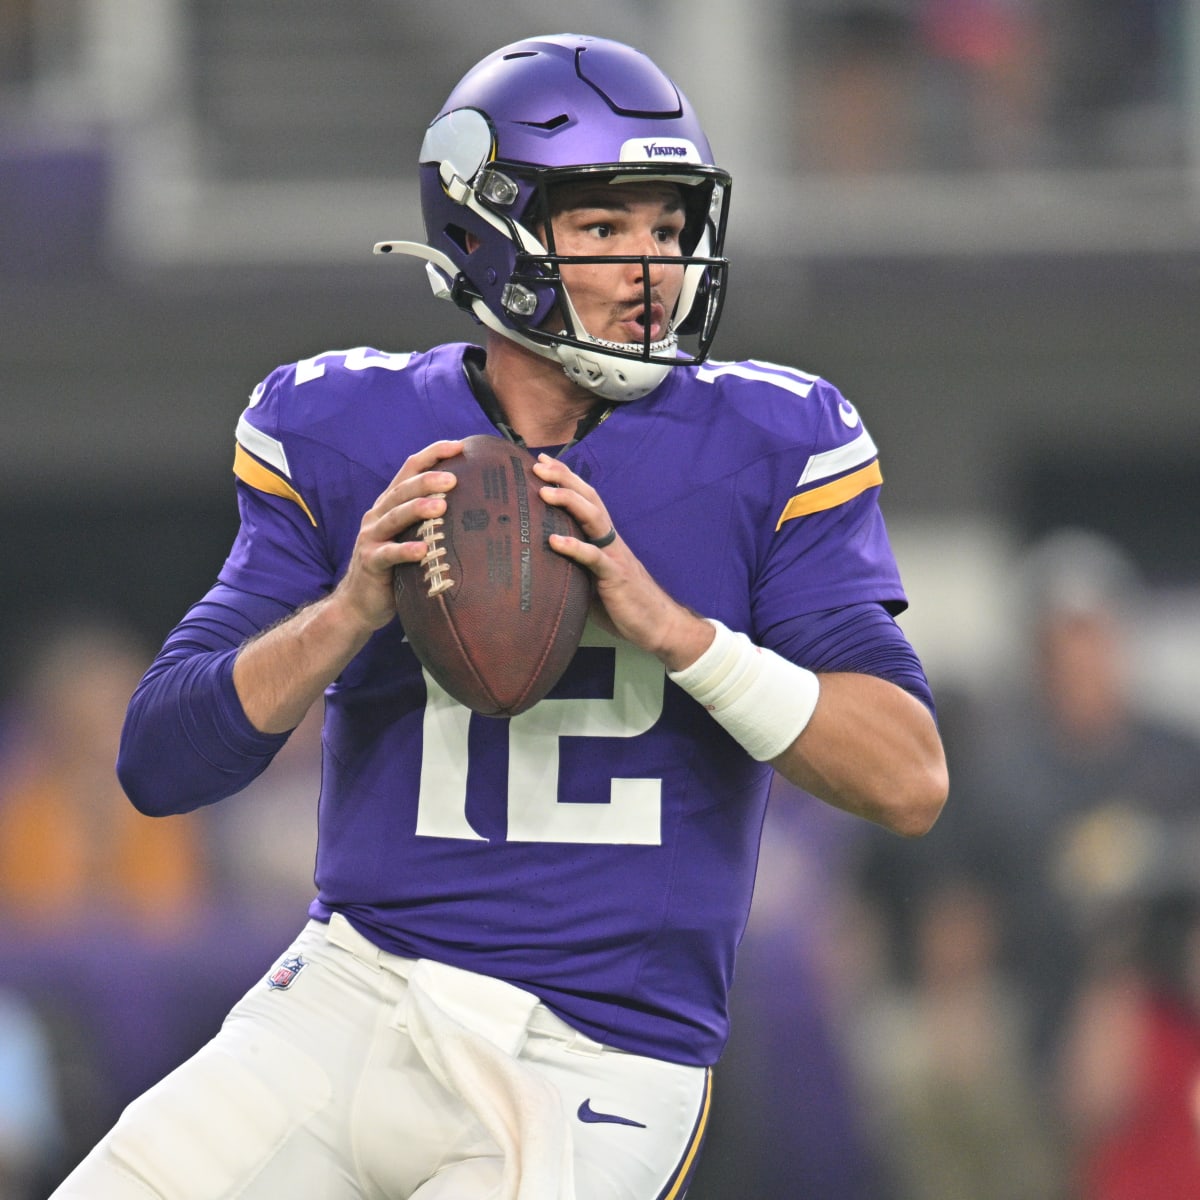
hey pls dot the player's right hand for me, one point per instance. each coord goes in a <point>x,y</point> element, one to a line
<point>414,495</point>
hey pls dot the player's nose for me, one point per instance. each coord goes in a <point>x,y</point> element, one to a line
<point>648,250</point>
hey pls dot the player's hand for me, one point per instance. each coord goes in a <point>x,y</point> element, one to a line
<point>415,494</point>
<point>627,601</point>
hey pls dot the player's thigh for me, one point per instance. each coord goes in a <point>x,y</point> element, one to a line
<point>636,1123</point>
<point>212,1126</point>
<point>262,1108</point>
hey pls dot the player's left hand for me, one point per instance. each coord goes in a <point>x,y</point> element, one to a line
<point>627,601</point>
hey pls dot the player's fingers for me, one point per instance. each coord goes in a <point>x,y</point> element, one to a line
<point>381,558</point>
<point>594,558</point>
<point>392,522</point>
<point>556,473</point>
<point>428,458</point>
<point>587,509</point>
<point>593,520</point>
<point>407,494</point>
<point>382,543</point>
<point>419,476</point>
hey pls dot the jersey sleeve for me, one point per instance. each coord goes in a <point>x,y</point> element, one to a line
<point>283,477</point>
<point>187,700</point>
<point>827,545</point>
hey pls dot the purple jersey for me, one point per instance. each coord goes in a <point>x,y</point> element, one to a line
<point>599,849</point>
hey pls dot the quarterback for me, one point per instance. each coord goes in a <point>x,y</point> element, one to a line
<point>512,980</point>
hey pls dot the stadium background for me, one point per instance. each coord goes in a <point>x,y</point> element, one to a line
<point>981,220</point>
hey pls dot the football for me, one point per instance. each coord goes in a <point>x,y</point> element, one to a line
<point>491,612</point>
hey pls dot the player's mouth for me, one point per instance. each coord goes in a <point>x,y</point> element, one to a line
<point>635,322</point>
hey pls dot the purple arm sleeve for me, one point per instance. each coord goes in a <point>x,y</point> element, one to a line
<point>186,740</point>
<point>862,638</point>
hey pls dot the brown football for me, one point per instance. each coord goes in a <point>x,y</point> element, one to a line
<point>493,614</point>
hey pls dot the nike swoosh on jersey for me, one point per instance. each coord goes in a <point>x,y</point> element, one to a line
<point>589,1116</point>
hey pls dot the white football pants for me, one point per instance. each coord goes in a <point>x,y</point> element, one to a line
<point>352,1073</point>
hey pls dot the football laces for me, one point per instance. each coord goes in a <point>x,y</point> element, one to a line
<point>437,570</point>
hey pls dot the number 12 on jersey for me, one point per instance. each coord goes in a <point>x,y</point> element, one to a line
<point>633,814</point>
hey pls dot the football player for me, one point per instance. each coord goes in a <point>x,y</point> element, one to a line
<point>513,977</point>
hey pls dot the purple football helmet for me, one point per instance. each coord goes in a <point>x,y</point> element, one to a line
<point>543,112</point>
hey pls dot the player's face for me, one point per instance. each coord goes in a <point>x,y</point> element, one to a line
<point>620,219</point>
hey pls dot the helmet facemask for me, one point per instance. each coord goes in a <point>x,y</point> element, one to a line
<point>538,301</point>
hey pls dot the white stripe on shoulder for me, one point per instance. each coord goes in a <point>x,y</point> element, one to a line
<point>797,382</point>
<point>842,458</point>
<point>263,446</point>
<point>777,367</point>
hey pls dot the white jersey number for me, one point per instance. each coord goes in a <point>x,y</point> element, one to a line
<point>633,814</point>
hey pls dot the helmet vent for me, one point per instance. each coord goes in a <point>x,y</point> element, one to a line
<point>552,123</point>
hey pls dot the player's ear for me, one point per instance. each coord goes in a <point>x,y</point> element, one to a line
<point>472,242</point>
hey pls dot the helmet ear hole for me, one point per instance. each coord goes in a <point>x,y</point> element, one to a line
<point>459,236</point>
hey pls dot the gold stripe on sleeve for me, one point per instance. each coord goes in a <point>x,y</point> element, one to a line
<point>251,471</point>
<point>830,495</point>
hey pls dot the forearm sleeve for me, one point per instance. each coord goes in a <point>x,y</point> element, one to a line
<point>186,740</point>
<point>862,638</point>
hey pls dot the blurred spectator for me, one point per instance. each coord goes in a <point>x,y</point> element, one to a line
<point>987,69</point>
<point>857,108</point>
<point>912,84</point>
<point>1058,784</point>
<point>1066,773</point>
<point>100,907</point>
<point>73,850</point>
<point>1131,1064</point>
<point>31,1132</point>
<point>886,85</point>
<point>956,1104</point>
<point>1119,67</point>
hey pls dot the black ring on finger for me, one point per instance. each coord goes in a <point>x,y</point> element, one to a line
<point>606,540</point>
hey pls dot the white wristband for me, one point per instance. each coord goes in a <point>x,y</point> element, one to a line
<point>756,695</point>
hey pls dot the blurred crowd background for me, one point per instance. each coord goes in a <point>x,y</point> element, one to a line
<point>980,218</point>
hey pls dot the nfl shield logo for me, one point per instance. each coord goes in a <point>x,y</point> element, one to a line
<point>285,974</point>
